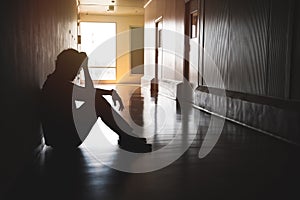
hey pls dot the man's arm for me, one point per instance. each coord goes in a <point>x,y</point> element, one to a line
<point>114,95</point>
<point>82,93</point>
<point>104,92</point>
<point>89,89</point>
<point>88,80</point>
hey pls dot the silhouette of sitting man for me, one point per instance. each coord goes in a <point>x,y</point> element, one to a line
<point>58,106</point>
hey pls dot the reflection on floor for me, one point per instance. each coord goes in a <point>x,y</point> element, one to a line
<point>242,165</point>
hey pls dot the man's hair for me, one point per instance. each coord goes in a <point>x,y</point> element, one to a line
<point>69,61</point>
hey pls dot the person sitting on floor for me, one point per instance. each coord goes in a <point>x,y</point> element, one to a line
<point>58,107</point>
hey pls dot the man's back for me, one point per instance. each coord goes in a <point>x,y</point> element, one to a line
<point>57,118</point>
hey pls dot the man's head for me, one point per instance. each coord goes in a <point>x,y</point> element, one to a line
<point>69,62</point>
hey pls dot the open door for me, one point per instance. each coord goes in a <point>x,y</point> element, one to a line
<point>193,42</point>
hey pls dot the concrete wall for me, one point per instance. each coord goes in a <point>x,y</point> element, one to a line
<point>123,43</point>
<point>33,33</point>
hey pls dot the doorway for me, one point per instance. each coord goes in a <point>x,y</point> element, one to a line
<point>194,27</point>
<point>158,56</point>
<point>101,48</point>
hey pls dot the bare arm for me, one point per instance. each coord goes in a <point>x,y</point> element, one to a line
<point>88,80</point>
<point>115,97</point>
<point>83,93</point>
<point>89,83</point>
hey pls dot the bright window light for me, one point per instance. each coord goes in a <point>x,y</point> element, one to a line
<point>98,40</point>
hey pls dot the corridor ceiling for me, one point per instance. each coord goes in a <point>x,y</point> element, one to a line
<point>117,7</point>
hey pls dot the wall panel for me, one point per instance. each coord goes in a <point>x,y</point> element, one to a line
<point>248,46</point>
<point>295,70</point>
<point>278,43</point>
<point>216,42</point>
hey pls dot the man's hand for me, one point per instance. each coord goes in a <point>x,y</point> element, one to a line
<point>115,97</point>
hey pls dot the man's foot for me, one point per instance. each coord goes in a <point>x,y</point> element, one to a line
<point>133,136</point>
<point>131,139</point>
<point>135,146</point>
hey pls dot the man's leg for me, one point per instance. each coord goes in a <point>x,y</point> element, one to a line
<point>114,121</point>
<point>111,118</point>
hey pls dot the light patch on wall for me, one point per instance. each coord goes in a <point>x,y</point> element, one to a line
<point>145,6</point>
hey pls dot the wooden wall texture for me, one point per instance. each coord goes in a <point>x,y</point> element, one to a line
<point>249,41</point>
<point>33,33</point>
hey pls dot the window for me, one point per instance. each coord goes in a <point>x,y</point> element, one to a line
<point>98,40</point>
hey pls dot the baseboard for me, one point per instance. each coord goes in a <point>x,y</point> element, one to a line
<point>247,126</point>
<point>275,117</point>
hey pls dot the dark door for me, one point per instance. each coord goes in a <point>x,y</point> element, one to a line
<point>194,23</point>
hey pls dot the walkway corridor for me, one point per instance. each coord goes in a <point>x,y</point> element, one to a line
<point>243,164</point>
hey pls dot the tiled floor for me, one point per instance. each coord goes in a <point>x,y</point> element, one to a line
<point>242,165</point>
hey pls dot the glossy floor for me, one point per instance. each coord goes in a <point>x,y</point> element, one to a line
<point>237,163</point>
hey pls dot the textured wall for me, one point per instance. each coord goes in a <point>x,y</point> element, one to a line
<point>248,46</point>
<point>235,43</point>
<point>295,71</point>
<point>33,33</point>
<point>249,41</point>
<point>255,45</point>
<point>279,35</point>
<point>216,37</point>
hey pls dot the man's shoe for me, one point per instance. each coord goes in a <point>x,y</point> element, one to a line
<point>134,146</point>
<point>131,139</point>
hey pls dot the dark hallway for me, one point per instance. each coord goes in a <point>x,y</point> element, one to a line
<point>244,164</point>
<point>217,97</point>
